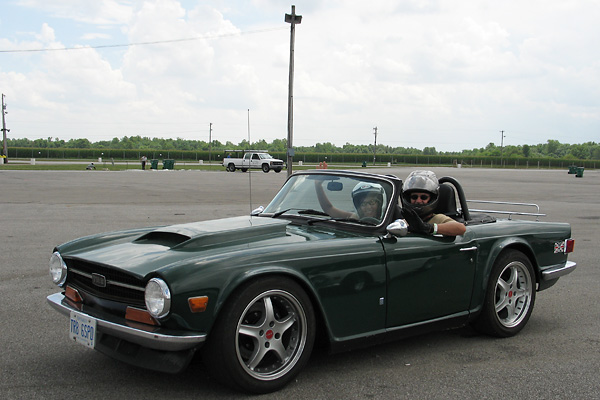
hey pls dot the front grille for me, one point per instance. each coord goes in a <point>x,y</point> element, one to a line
<point>120,286</point>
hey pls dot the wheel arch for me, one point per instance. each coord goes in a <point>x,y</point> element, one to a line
<point>246,277</point>
<point>495,251</point>
<point>481,318</point>
<point>515,243</point>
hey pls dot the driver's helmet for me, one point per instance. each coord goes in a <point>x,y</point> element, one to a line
<point>364,189</point>
<point>423,182</point>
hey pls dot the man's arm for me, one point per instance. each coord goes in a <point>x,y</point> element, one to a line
<point>451,228</point>
<point>438,224</point>
<point>447,226</point>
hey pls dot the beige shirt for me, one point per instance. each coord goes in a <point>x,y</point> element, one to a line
<point>439,219</point>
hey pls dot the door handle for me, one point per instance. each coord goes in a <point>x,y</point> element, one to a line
<point>469,248</point>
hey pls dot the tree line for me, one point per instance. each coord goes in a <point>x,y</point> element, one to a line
<point>550,149</point>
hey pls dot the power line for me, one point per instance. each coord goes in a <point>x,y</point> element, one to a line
<point>146,43</point>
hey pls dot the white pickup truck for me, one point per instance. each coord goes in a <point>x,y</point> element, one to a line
<point>253,159</point>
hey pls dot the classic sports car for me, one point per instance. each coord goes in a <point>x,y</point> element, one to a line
<point>253,292</point>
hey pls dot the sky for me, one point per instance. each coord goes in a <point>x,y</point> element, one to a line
<point>452,75</point>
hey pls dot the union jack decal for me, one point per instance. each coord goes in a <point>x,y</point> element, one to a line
<point>559,247</point>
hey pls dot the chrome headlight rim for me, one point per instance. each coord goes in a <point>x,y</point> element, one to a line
<point>58,269</point>
<point>157,297</point>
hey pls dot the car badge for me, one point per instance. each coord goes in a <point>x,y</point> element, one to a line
<point>99,280</point>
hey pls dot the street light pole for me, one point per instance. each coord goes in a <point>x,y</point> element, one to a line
<point>502,148</point>
<point>375,145</point>
<point>292,19</point>
<point>4,130</point>
<point>210,143</point>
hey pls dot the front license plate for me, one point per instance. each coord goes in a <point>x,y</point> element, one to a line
<point>82,329</point>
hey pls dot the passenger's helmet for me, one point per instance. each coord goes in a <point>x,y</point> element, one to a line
<point>363,189</point>
<point>422,182</point>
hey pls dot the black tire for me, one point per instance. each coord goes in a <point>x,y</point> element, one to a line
<point>277,170</point>
<point>263,337</point>
<point>231,167</point>
<point>244,169</point>
<point>510,296</point>
<point>265,168</point>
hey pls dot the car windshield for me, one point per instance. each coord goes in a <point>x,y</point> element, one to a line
<point>265,156</point>
<point>327,197</point>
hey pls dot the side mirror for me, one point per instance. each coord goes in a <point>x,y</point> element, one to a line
<point>398,228</point>
<point>257,211</point>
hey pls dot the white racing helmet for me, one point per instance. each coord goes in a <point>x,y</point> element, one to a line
<point>363,189</point>
<point>421,181</point>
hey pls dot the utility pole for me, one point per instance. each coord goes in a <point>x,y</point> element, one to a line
<point>292,19</point>
<point>209,142</point>
<point>502,148</point>
<point>375,145</point>
<point>4,130</point>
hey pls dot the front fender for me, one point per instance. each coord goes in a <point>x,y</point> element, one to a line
<point>240,278</point>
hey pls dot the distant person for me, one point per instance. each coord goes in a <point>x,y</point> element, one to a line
<point>90,166</point>
<point>419,200</point>
<point>144,159</point>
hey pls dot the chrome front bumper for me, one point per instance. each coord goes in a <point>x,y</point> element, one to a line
<point>144,335</point>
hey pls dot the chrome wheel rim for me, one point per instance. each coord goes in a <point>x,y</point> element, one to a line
<point>514,290</point>
<point>271,335</point>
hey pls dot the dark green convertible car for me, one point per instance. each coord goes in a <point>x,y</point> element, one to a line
<point>252,293</point>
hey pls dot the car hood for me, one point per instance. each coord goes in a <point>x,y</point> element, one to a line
<point>150,250</point>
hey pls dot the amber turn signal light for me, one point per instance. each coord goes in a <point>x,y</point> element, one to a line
<point>138,315</point>
<point>73,295</point>
<point>198,304</point>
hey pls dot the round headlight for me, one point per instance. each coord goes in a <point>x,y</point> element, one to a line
<point>158,298</point>
<point>58,269</point>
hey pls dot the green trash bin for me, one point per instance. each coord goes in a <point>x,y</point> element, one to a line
<point>364,164</point>
<point>168,164</point>
<point>579,173</point>
<point>153,164</point>
<point>572,169</point>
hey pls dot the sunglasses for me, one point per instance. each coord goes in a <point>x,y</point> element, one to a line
<point>369,203</point>
<point>419,196</point>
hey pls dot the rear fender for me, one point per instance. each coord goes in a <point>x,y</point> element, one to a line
<point>488,260</point>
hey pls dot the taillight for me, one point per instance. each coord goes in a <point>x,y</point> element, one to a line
<point>569,245</point>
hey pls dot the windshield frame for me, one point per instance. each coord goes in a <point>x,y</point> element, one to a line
<point>278,206</point>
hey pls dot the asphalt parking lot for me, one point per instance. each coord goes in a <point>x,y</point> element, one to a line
<point>556,356</point>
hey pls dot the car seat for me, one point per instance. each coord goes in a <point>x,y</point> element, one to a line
<point>447,202</point>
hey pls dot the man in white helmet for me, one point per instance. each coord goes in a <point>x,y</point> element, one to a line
<point>419,199</point>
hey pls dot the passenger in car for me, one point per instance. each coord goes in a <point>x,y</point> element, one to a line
<point>368,199</point>
<point>419,199</point>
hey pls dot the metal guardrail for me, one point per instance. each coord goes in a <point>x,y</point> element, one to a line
<point>510,213</point>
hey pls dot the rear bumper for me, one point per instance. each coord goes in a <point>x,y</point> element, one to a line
<point>156,338</point>
<point>550,275</point>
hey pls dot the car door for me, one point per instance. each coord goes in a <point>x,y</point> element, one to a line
<point>429,277</point>
<point>246,160</point>
<point>348,273</point>
<point>256,162</point>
